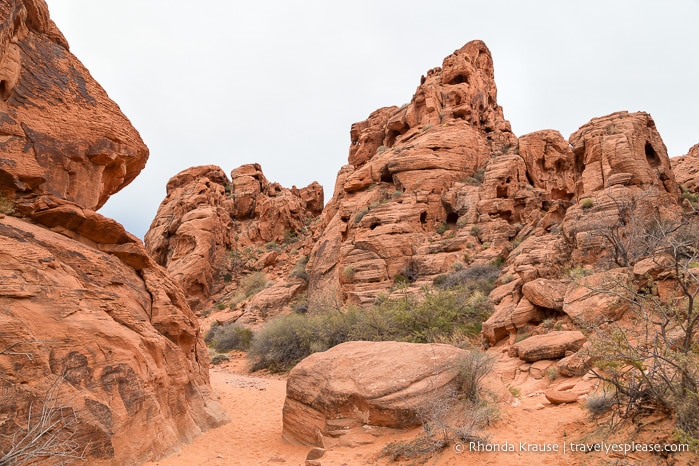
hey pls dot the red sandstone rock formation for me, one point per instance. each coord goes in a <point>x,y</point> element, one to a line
<point>207,222</point>
<point>399,185</point>
<point>356,383</point>
<point>62,135</point>
<point>93,329</point>
<point>686,171</point>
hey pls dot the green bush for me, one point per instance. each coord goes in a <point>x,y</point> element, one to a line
<point>229,337</point>
<point>587,203</point>
<point>440,314</point>
<point>348,273</point>
<point>360,215</point>
<point>300,269</point>
<point>281,343</point>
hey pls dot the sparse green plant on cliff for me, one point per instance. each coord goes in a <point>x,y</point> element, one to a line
<point>348,273</point>
<point>300,269</point>
<point>360,215</point>
<point>6,205</point>
<point>587,203</point>
<point>253,283</point>
<point>476,179</point>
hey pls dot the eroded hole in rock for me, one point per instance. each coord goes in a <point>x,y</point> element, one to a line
<point>452,218</point>
<point>506,215</point>
<point>561,194</point>
<point>386,177</point>
<point>423,217</point>
<point>501,192</point>
<point>392,136</point>
<point>374,225</point>
<point>651,156</point>
<point>459,79</point>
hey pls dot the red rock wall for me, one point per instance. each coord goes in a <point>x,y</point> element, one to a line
<point>92,327</point>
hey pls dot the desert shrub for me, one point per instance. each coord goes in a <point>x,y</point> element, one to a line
<point>652,359</point>
<point>450,416</point>
<point>6,205</point>
<point>552,373</point>
<point>689,195</point>
<point>599,403</point>
<point>472,368</point>
<point>475,230</point>
<point>300,269</point>
<point>438,315</point>
<point>475,179</point>
<point>522,334</point>
<point>253,283</point>
<point>228,337</point>
<point>219,358</point>
<point>348,273</point>
<point>290,236</point>
<point>498,262</point>
<point>49,436</point>
<point>281,343</point>
<point>475,277</point>
<point>360,215</point>
<point>587,203</point>
<point>399,279</point>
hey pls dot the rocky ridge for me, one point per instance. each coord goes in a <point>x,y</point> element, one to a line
<point>211,231</point>
<point>442,183</point>
<point>95,333</point>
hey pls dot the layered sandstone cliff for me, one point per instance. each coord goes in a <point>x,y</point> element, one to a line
<point>94,333</point>
<point>211,232</point>
<point>437,184</point>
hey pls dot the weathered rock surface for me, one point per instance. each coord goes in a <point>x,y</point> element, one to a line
<point>405,177</point>
<point>686,169</point>
<point>545,293</point>
<point>93,328</point>
<point>376,383</point>
<point>552,345</point>
<point>595,299</point>
<point>622,143</point>
<point>120,346</point>
<point>206,219</point>
<point>558,397</point>
<point>61,134</point>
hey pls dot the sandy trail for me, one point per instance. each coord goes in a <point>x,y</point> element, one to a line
<point>253,436</point>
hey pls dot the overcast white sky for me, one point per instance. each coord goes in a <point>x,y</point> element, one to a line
<point>280,82</point>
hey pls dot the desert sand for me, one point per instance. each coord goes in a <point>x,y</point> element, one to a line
<point>254,403</point>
